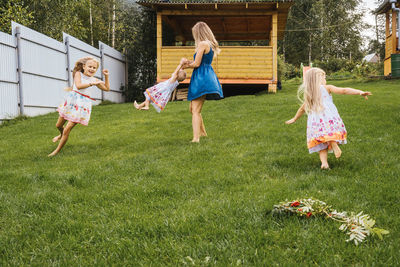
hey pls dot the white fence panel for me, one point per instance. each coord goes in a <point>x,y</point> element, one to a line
<point>8,77</point>
<point>78,49</point>
<point>35,69</point>
<point>114,61</point>
<point>44,74</point>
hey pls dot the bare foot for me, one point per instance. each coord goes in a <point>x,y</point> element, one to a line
<point>52,154</point>
<point>203,134</point>
<point>144,108</point>
<point>325,167</point>
<point>195,140</point>
<point>336,150</point>
<point>136,105</point>
<point>57,138</point>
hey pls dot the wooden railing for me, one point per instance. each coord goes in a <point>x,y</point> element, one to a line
<point>234,62</point>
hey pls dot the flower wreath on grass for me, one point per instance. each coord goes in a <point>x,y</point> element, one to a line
<point>357,226</point>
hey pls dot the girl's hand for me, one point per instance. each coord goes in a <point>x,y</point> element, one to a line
<point>365,94</point>
<point>183,61</point>
<point>105,72</point>
<point>97,82</point>
<point>290,121</point>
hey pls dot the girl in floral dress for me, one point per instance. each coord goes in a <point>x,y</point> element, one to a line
<point>159,94</point>
<point>77,105</point>
<point>325,128</point>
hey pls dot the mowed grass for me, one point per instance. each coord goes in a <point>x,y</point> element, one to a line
<point>130,189</point>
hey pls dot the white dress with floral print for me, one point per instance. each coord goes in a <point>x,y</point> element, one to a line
<point>325,126</point>
<point>77,104</point>
<point>159,94</point>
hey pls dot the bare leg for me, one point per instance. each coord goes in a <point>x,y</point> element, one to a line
<point>64,138</point>
<point>202,128</point>
<point>60,126</point>
<point>323,156</point>
<point>336,149</point>
<point>195,107</point>
<point>136,105</point>
<point>144,105</point>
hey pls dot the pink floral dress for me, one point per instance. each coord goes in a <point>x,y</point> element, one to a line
<point>159,94</point>
<point>325,126</point>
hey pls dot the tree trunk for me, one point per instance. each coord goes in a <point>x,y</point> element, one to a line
<point>310,48</point>
<point>113,25</point>
<point>91,22</point>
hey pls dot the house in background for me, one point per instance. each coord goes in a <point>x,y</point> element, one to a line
<point>371,58</point>
<point>232,22</point>
<point>391,8</point>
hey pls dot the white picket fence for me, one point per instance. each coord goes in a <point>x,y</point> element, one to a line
<point>35,69</point>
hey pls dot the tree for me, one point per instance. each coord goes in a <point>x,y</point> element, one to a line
<point>323,29</point>
<point>377,45</point>
<point>138,37</point>
<point>14,11</point>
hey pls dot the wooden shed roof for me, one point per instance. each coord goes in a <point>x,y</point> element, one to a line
<point>229,20</point>
<point>211,1</point>
<point>384,7</point>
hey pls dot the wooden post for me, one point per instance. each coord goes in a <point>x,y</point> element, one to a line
<point>159,45</point>
<point>272,87</point>
<point>394,31</point>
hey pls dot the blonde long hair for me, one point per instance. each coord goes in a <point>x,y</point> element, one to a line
<point>81,62</point>
<point>309,92</point>
<point>79,67</point>
<point>201,32</point>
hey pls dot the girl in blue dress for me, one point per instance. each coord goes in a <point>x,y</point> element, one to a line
<point>204,83</point>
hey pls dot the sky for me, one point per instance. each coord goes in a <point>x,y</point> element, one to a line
<point>368,6</point>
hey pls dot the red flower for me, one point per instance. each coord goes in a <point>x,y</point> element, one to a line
<point>300,209</point>
<point>295,204</point>
<point>309,214</point>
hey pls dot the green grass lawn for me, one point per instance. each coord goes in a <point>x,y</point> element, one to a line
<point>130,189</point>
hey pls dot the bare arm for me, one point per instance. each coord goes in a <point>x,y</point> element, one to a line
<point>105,86</point>
<point>174,75</point>
<point>299,113</point>
<point>203,48</point>
<point>347,91</point>
<point>78,83</point>
<point>100,84</point>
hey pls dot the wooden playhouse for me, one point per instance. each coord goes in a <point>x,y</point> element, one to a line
<point>232,22</point>
<point>392,48</point>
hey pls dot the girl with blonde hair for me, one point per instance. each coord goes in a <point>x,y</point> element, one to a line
<point>204,83</point>
<point>77,105</point>
<point>325,128</point>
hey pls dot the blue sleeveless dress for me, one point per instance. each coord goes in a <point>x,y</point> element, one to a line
<point>204,81</point>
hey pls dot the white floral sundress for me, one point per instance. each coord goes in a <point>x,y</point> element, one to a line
<point>77,104</point>
<point>325,126</point>
<point>159,94</point>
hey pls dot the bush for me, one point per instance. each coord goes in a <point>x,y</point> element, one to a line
<point>334,65</point>
<point>342,68</point>
<point>287,71</point>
